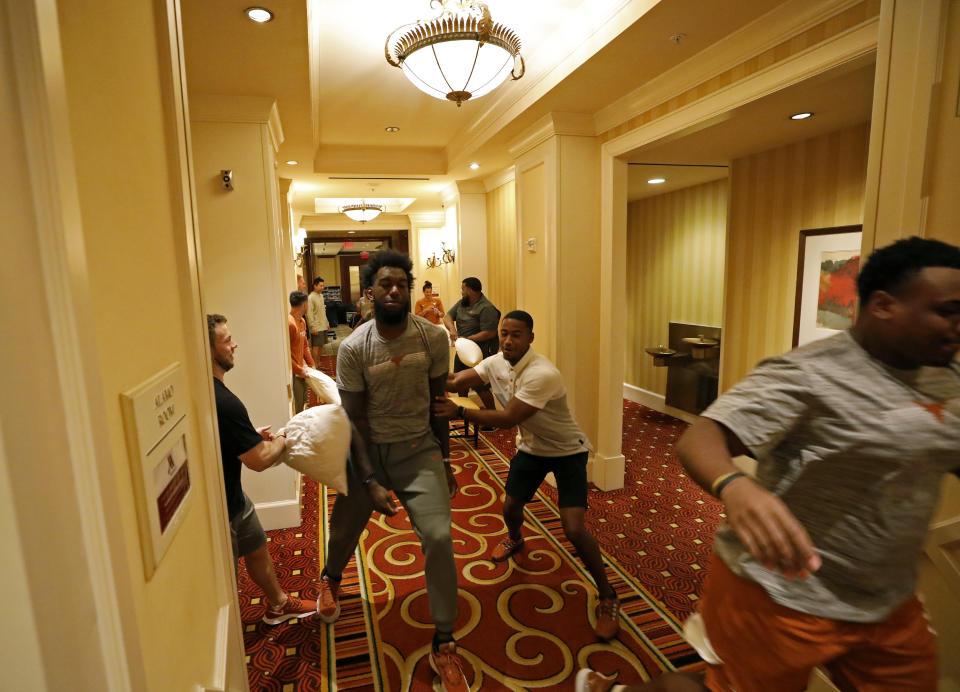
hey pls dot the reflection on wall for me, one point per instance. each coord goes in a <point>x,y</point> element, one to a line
<point>675,251</point>
<point>816,183</point>
<point>328,268</point>
<point>445,278</point>
<point>502,247</point>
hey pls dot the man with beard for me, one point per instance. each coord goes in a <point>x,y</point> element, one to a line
<point>388,369</point>
<point>474,318</point>
<point>816,562</point>
<point>257,449</point>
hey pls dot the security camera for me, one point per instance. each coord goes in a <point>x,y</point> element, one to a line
<point>226,177</point>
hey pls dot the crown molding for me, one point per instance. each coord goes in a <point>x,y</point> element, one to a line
<point>262,110</point>
<point>339,222</point>
<point>762,34</point>
<point>550,125</point>
<point>377,160</point>
<point>505,176</point>
<point>426,219</point>
<point>470,187</point>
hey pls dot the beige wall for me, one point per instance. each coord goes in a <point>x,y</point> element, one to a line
<point>328,268</point>
<point>675,262</point>
<point>816,183</point>
<point>534,272</point>
<point>502,247</point>
<point>242,279</point>
<point>140,281</point>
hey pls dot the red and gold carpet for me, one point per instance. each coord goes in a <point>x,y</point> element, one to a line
<point>525,624</point>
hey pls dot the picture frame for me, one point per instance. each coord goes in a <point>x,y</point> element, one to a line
<point>828,262</point>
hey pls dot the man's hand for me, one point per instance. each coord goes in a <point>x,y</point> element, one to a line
<point>451,481</point>
<point>769,530</point>
<point>443,408</point>
<point>265,432</point>
<point>381,499</point>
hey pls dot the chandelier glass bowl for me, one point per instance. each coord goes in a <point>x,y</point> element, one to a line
<point>458,55</point>
<point>362,211</point>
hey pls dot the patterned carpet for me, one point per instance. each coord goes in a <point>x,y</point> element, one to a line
<point>525,624</point>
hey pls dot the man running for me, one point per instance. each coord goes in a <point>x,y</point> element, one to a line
<point>533,396</point>
<point>816,563</point>
<point>387,371</point>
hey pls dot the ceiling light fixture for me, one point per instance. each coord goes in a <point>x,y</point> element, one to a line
<point>474,165</point>
<point>657,181</point>
<point>459,54</point>
<point>363,211</point>
<point>392,128</point>
<point>800,116</point>
<point>260,15</point>
<point>291,162</point>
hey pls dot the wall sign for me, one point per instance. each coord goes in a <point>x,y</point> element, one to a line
<point>155,423</point>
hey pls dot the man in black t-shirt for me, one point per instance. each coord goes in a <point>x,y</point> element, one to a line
<point>258,449</point>
<point>477,319</point>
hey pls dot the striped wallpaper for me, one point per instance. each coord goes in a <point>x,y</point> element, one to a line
<point>675,260</point>
<point>502,248</point>
<point>816,183</point>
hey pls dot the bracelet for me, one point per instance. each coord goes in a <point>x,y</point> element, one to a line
<point>722,481</point>
<point>368,479</point>
<point>446,460</point>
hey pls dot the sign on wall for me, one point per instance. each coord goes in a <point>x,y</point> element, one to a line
<point>155,423</point>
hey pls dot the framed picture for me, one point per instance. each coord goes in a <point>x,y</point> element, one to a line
<point>827,268</point>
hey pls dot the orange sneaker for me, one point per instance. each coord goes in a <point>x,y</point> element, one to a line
<point>328,604</point>
<point>293,607</point>
<point>446,664</point>
<point>506,548</point>
<point>592,681</point>
<point>608,618</point>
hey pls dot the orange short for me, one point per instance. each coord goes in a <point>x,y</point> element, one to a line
<point>766,647</point>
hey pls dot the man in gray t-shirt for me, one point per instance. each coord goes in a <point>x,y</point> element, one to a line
<point>816,563</point>
<point>388,370</point>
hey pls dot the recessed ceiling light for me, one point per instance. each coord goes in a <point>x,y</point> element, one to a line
<point>474,165</point>
<point>351,232</point>
<point>291,162</point>
<point>657,181</point>
<point>259,14</point>
<point>800,116</point>
<point>392,128</point>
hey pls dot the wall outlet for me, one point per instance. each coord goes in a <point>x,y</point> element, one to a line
<point>226,179</point>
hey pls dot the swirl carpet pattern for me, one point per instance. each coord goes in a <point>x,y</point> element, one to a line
<point>525,624</point>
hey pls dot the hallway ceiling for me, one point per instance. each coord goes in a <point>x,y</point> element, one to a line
<point>839,98</point>
<point>580,56</point>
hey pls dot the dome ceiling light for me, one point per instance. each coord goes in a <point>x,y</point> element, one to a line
<point>459,54</point>
<point>363,211</point>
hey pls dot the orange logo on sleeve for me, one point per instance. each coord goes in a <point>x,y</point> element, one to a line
<point>936,409</point>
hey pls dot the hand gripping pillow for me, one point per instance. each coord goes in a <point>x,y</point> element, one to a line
<point>318,440</point>
<point>469,351</point>
<point>324,386</point>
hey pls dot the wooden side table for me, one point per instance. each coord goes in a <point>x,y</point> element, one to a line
<point>468,403</point>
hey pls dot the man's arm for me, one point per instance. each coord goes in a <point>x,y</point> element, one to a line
<point>265,454</point>
<point>486,335</point>
<point>465,379</point>
<point>355,404</point>
<point>450,324</point>
<point>766,526</point>
<point>514,413</point>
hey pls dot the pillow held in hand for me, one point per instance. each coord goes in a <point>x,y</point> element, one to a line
<point>318,440</point>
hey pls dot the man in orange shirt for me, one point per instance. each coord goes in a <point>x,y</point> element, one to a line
<point>299,347</point>
<point>429,307</point>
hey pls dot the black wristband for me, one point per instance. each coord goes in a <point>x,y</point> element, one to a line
<point>460,410</point>
<point>369,479</point>
<point>726,481</point>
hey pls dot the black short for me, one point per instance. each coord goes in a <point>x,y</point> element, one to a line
<point>528,471</point>
<point>459,365</point>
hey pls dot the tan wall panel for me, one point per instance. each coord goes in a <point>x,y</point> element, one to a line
<point>775,194</point>
<point>533,265</point>
<point>502,260</point>
<point>675,261</point>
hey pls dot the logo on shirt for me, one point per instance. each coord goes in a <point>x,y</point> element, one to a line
<point>405,361</point>
<point>935,409</point>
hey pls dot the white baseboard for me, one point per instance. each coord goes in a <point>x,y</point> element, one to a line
<point>606,472</point>
<point>655,401</point>
<point>283,514</point>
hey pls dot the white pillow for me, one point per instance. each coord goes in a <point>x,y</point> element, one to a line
<point>324,386</point>
<point>318,440</point>
<point>469,351</point>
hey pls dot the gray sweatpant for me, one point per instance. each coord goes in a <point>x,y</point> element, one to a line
<point>414,471</point>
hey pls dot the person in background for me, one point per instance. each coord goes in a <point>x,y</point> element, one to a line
<point>256,448</point>
<point>475,318</point>
<point>531,391</point>
<point>317,319</point>
<point>301,284</point>
<point>429,307</point>
<point>299,348</point>
<point>816,562</point>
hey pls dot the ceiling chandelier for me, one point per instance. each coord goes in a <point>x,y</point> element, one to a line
<point>363,211</point>
<point>459,54</point>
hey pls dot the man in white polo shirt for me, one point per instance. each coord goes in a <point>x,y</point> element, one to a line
<point>531,391</point>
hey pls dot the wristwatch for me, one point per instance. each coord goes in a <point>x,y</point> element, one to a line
<point>368,479</point>
<point>460,410</point>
